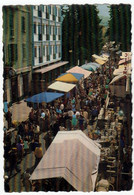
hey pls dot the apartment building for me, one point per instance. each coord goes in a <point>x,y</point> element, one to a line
<point>17,49</point>
<point>47,38</point>
<point>32,45</point>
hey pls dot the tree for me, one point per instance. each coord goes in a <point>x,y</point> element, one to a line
<point>82,33</point>
<point>120,26</point>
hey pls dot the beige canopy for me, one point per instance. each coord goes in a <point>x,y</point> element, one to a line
<point>77,69</point>
<point>73,156</point>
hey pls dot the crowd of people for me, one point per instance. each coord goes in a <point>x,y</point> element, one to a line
<point>78,110</point>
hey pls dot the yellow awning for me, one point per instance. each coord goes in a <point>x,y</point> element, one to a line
<point>67,78</point>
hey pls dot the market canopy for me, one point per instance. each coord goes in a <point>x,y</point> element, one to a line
<point>70,77</point>
<point>99,61</point>
<point>89,66</point>
<point>99,57</point>
<point>44,97</point>
<point>72,156</point>
<point>78,69</point>
<point>116,78</point>
<point>61,86</point>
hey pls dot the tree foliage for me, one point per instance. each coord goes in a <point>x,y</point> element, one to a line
<point>120,26</point>
<point>81,33</point>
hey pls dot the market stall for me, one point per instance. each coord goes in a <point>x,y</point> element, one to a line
<point>70,77</point>
<point>61,86</point>
<point>73,156</point>
<point>77,69</point>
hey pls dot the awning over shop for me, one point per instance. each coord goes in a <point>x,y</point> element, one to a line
<point>73,156</point>
<point>44,97</point>
<point>70,77</point>
<point>51,67</point>
<point>117,78</point>
<point>61,86</point>
<point>78,69</point>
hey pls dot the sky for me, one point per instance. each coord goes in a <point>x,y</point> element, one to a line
<point>103,10</point>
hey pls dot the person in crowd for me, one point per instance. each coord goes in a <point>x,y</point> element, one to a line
<point>32,115</point>
<point>26,146</point>
<point>74,121</point>
<point>47,139</point>
<point>38,154</point>
<point>13,156</point>
<point>20,149</point>
<point>42,122</point>
<point>8,116</point>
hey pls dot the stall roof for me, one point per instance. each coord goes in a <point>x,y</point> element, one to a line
<point>78,69</point>
<point>99,61</point>
<point>50,67</point>
<point>89,67</point>
<point>61,86</point>
<point>121,69</point>
<point>44,97</point>
<point>116,78</point>
<point>99,57</point>
<point>70,77</point>
<point>73,156</point>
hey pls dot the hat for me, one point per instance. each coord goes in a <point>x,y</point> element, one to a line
<point>42,115</point>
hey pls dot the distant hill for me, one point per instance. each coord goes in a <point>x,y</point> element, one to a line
<point>104,20</point>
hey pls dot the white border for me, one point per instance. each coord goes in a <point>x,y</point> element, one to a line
<point>37,2</point>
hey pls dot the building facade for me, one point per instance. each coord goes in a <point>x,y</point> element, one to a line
<point>32,47</point>
<point>47,38</point>
<point>17,49</point>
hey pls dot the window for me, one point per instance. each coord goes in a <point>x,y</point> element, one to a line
<point>44,50</point>
<point>35,51</point>
<point>23,23</point>
<point>47,13</point>
<point>34,28</point>
<point>11,24</point>
<point>24,51</point>
<point>47,32</point>
<point>12,53</point>
<point>43,31</point>
<point>40,32</point>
